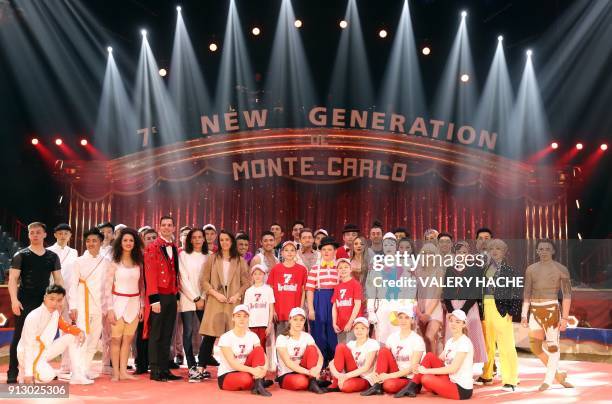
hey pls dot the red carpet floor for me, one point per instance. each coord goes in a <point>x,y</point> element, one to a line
<point>592,381</point>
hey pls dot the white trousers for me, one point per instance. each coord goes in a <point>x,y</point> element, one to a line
<point>45,371</point>
<point>90,347</point>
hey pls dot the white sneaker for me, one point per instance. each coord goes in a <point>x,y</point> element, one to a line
<point>92,375</point>
<point>63,375</point>
<point>80,380</point>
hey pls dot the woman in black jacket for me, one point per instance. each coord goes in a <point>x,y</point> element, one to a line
<point>501,300</point>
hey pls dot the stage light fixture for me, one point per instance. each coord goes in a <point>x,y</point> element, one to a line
<point>577,204</point>
<point>426,50</point>
<point>35,141</point>
<point>256,31</point>
<point>463,14</point>
<point>163,72</point>
<point>143,32</point>
<point>465,77</point>
<point>84,142</point>
<point>59,141</point>
<point>500,38</point>
<point>343,24</point>
<point>178,8</point>
<point>554,145</point>
<point>110,49</point>
<point>579,146</point>
<point>297,24</point>
<point>213,47</point>
<point>603,147</point>
<point>382,33</point>
<point>529,53</point>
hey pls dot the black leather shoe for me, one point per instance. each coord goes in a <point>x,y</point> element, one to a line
<point>411,390</point>
<point>173,365</point>
<point>259,389</point>
<point>158,377</point>
<point>170,376</point>
<point>376,389</point>
<point>313,386</point>
<point>212,361</point>
<point>11,380</point>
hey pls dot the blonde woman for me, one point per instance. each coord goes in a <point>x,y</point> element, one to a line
<point>429,306</point>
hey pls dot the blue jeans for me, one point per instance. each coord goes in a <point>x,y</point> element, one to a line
<point>188,330</point>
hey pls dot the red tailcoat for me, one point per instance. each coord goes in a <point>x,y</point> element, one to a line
<point>161,275</point>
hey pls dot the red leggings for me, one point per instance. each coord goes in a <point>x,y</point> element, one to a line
<point>234,381</point>
<point>297,381</point>
<point>344,362</point>
<point>261,333</point>
<point>439,384</point>
<point>386,364</point>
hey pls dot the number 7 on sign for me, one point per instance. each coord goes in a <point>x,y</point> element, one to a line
<point>145,134</point>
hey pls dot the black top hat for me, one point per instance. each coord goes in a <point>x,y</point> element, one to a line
<point>62,226</point>
<point>350,227</point>
<point>328,241</point>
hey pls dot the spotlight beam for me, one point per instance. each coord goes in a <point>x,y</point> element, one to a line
<point>351,81</point>
<point>402,84</point>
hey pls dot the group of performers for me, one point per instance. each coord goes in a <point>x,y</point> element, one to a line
<point>305,308</point>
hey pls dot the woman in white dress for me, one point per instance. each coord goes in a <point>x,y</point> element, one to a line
<point>124,298</point>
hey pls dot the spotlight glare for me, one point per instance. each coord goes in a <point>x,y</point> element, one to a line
<point>178,8</point>
<point>59,141</point>
<point>554,145</point>
<point>163,72</point>
<point>256,31</point>
<point>529,52</point>
<point>465,77</point>
<point>500,38</point>
<point>213,47</point>
<point>297,24</point>
<point>382,33</point>
<point>143,32</point>
<point>84,142</point>
<point>110,49</point>
<point>579,146</point>
<point>603,147</point>
<point>463,14</point>
<point>35,141</point>
<point>426,50</point>
<point>343,24</point>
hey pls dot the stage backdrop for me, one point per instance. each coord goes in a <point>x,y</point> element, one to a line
<point>326,177</point>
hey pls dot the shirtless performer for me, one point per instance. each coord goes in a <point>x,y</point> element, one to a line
<point>543,280</point>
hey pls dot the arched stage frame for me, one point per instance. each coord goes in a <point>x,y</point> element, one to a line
<point>443,185</point>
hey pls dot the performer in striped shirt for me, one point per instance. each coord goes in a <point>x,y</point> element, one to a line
<point>322,278</point>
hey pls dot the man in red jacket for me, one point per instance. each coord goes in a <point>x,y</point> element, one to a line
<point>161,275</point>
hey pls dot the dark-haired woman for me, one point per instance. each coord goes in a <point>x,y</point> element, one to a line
<point>224,280</point>
<point>191,263</point>
<point>124,298</point>
<point>299,359</point>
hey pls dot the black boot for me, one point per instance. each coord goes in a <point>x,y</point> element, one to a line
<point>376,389</point>
<point>268,383</point>
<point>314,387</point>
<point>258,388</point>
<point>411,390</point>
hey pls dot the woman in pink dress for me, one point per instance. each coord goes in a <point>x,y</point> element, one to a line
<point>466,299</point>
